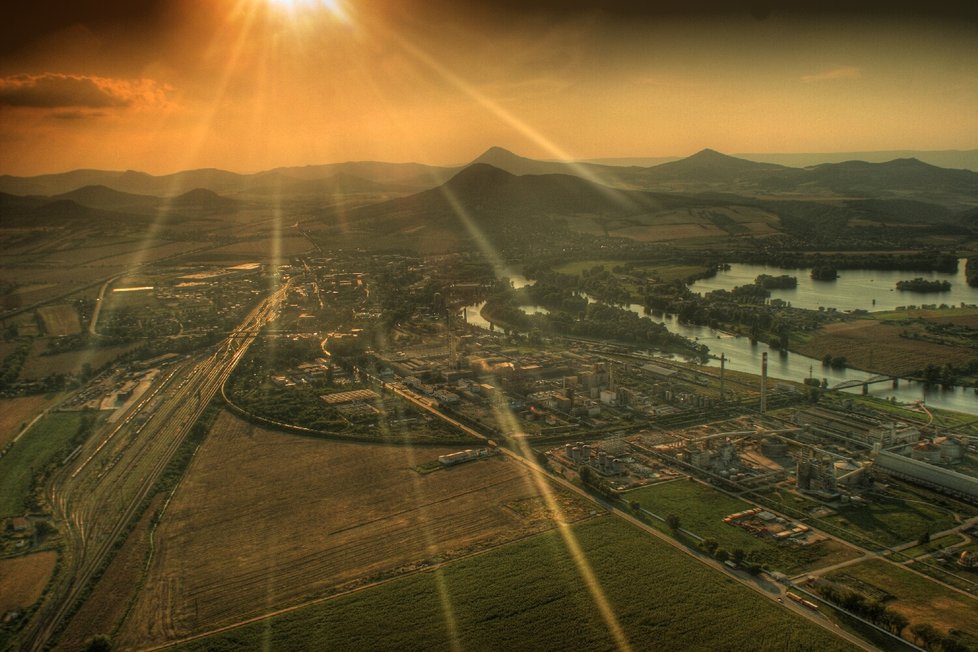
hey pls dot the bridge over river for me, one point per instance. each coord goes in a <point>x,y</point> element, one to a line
<point>872,380</point>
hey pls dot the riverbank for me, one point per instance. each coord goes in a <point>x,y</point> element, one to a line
<point>904,343</point>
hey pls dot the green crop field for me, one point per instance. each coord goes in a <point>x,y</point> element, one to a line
<point>38,447</point>
<point>701,510</point>
<point>530,596</point>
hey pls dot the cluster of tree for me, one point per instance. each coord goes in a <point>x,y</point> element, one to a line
<point>919,284</point>
<point>971,271</point>
<point>741,294</point>
<point>11,364</point>
<point>782,282</point>
<point>602,321</point>
<point>931,638</point>
<point>251,388</point>
<point>836,362</point>
<point>597,320</point>
<point>872,610</point>
<point>948,374</point>
<point>555,298</point>
<point>824,273</point>
<point>595,482</point>
<point>925,261</point>
<point>737,556</point>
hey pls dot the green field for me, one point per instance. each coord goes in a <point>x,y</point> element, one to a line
<point>918,598</point>
<point>40,446</point>
<point>933,546</point>
<point>701,510</point>
<point>901,516</point>
<point>530,596</point>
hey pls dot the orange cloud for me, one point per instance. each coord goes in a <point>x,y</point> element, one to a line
<point>60,91</point>
<point>843,72</point>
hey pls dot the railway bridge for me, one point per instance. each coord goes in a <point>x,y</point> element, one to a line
<point>872,380</point>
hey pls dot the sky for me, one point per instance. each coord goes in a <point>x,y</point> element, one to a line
<point>248,85</point>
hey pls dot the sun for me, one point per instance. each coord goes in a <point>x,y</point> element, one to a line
<point>333,6</point>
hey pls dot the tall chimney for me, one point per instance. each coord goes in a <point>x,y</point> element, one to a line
<point>723,360</point>
<point>764,382</point>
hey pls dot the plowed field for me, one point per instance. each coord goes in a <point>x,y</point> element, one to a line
<point>264,519</point>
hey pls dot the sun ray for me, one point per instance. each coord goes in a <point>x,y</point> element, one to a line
<point>507,423</point>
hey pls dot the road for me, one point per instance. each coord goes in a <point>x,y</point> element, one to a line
<point>775,593</point>
<point>97,495</point>
<point>99,302</point>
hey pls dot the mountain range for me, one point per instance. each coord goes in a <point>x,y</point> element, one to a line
<point>509,197</point>
<point>705,171</point>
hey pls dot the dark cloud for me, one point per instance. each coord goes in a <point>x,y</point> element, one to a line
<point>659,9</point>
<point>52,90</point>
<point>56,91</point>
<point>77,115</point>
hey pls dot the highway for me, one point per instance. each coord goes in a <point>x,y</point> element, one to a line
<point>97,495</point>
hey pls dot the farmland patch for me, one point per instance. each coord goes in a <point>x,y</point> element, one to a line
<point>531,596</point>
<point>23,579</point>
<point>264,519</point>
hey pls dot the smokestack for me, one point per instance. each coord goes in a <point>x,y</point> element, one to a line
<point>764,382</point>
<point>723,360</point>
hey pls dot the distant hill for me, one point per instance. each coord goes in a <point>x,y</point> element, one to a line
<point>483,201</point>
<point>394,177</point>
<point>710,166</point>
<point>60,212</point>
<point>106,198</point>
<point>201,199</point>
<point>954,159</point>
<point>610,175</point>
<point>898,176</point>
<point>706,171</point>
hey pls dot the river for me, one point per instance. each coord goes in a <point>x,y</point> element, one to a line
<point>742,355</point>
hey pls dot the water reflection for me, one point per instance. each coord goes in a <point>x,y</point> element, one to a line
<point>743,355</point>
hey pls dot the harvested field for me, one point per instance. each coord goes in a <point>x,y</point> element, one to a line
<point>23,579</point>
<point>60,319</point>
<point>265,248</point>
<point>916,597</point>
<point>878,347</point>
<point>264,519</point>
<point>15,412</point>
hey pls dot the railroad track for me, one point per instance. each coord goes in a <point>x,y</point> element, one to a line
<point>97,506</point>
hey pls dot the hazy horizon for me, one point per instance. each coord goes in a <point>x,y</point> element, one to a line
<point>247,85</point>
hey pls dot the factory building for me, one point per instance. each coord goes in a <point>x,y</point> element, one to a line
<point>928,475</point>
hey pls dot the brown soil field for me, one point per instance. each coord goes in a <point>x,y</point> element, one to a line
<point>15,412</point>
<point>79,254</point>
<point>264,519</point>
<point>146,255</point>
<point>918,598</point>
<point>266,247</point>
<point>24,578</point>
<point>60,319</point>
<point>876,346</point>
<point>39,366</point>
<point>107,604</point>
